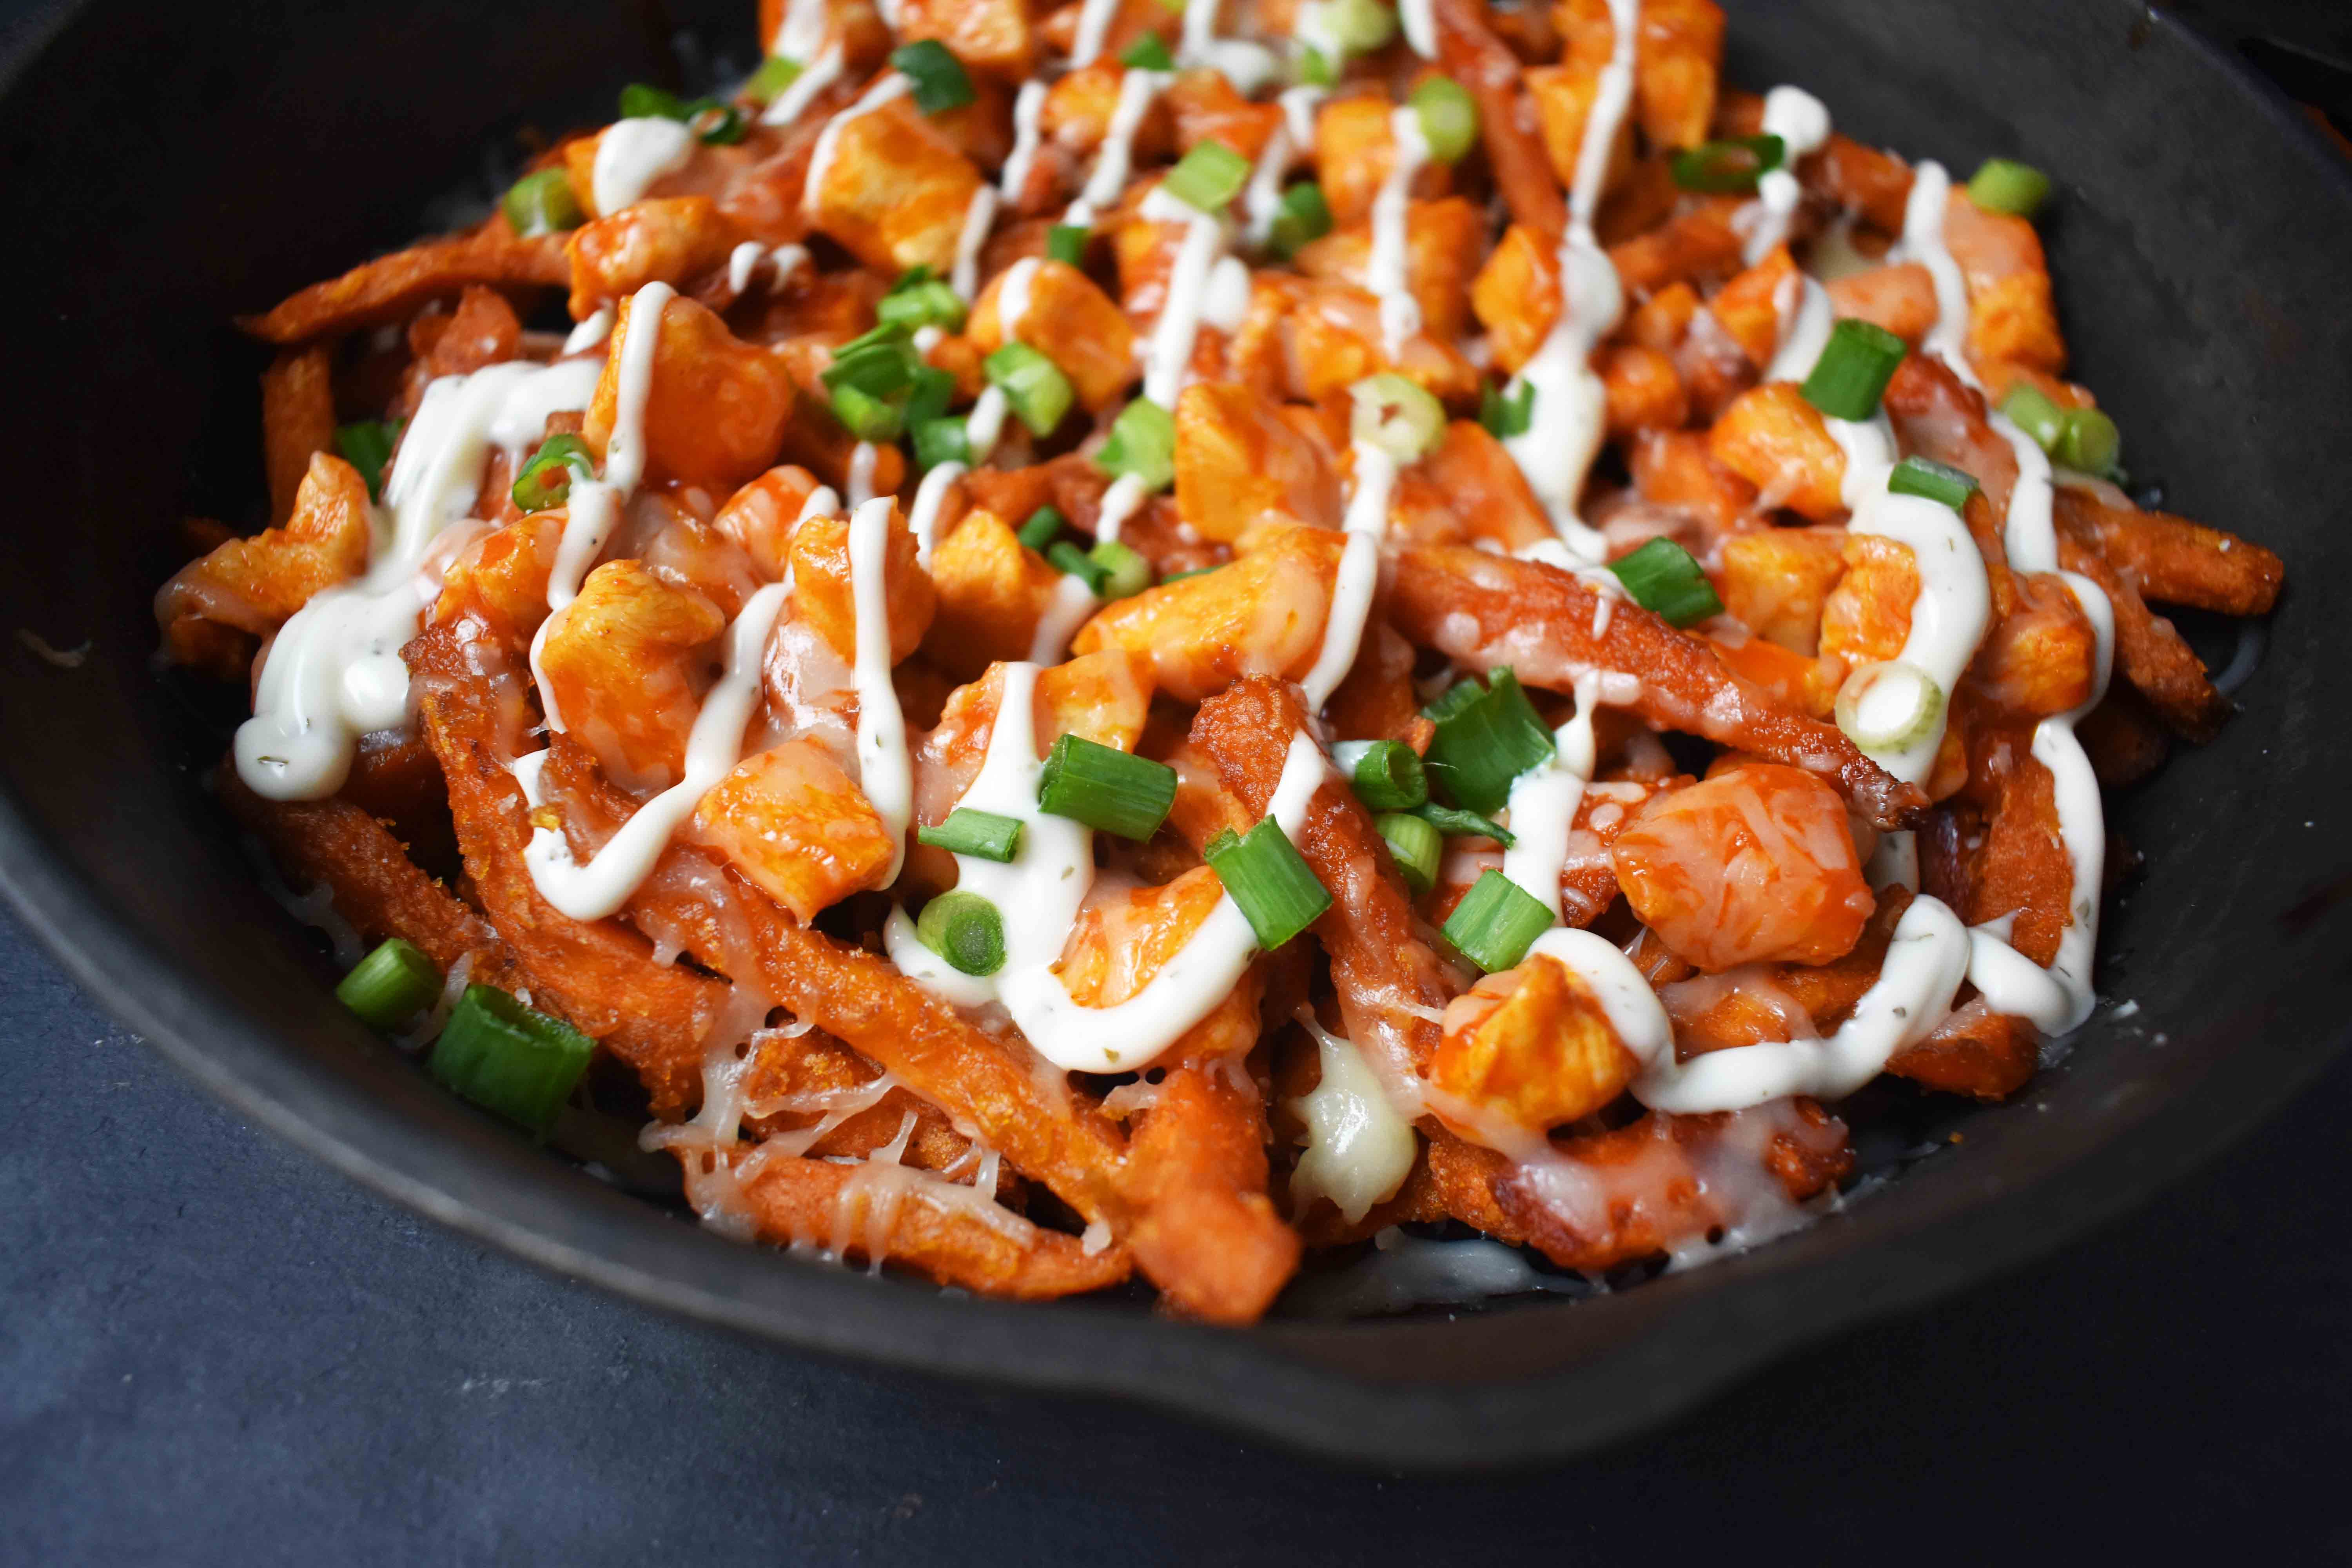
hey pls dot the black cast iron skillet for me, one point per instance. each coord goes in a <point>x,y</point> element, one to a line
<point>172,164</point>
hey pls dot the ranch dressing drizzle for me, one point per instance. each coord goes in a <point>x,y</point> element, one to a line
<point>1385,272</point>
<point>862,459</point>
<point>819,74</point>
<point>1137,90</point>
<point>1028,109</point>
<point>743,264</point>
<point>600,888</point>
<point>1544,799</point>
<point>1040,892</point>
<point>1570,408</point>
<point>885,771</point>
<point>1801,121</point>
<point>891,85</point>
<point>594,505</point>
<point>333,671</point>
<point>1296,135</point>
<point>1168,353</point>
<point>632,154</point>
<point>983,426</point>
<point>1367,523</point>
<point>964,276</point>
<point>590,333</point>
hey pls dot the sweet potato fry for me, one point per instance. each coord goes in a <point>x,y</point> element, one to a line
<point>1482,609</point>
<point>1484,63</point>
<point>1198,1168</point>
<point>254,585</point>
<point>2173,561</point>
<point>2152,655</point>
<point>391,285</point>
<point>297,418</point>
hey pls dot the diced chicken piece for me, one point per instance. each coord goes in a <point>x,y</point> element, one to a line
<point>714,406</point>
<point>1530,1049</point>
<point>625,664</point>
<point>794,823</point>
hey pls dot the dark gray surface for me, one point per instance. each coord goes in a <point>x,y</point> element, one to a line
<point>213,1348</point>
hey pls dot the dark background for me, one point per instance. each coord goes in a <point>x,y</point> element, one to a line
<point>213,1348</point>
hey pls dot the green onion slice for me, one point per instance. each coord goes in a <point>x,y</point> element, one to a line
<point>1506,414</point>
<point>1487,736</point>
<point>2029,409</point>
<point>1449,118</point>
<point>1067,243</point>
<point>1455,824</point>
<point>1359,26</point>
<point>508,1059</point>
<point>1936,481</point>
<point>2005,185</point>
<point>1148,53</point>
<point>1396,414</point>
<point>1106,788</point>
<point>542,203</point>
<point>929,397</point>
<point>1417,846</point>
<point>776,73</point>
<point>1067,558</point>
<point>366,445</point>
<point>964,929</point>
<point>390,986</point>
<point>878,364</point>
<point>1035,387</point>
<point>983,835</point>
<point>1315,68</point>
<point>718,124</point>
<point>1043,524</point>
<point>938,76</point>
<point>2087,441</point>
<point>1273,884</point>
<point>1304,218</point>
<point>941,440</point>
<point>1209,176</point>
<point>1728,168</point>
<point>1142,442</point>
<point>921,301</point>
<point>546,481</point>
<point>1387,774</point>
<point>1889,706</point>
<point>866,416</point>
<point>1666,579</point>
<point>1125,571</point>
<point>1496,922</point>
<point>1852,374</point>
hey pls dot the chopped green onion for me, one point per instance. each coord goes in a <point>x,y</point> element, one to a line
<point>920,302</point>
<point>366,446</point>
<point>1889,706</point>
<point>546,481</point>
<point>879,363</point>
<point>941,440</point>
<point>1852,374</point>
<point>1069,559</point>
<point>642,100</point>
<point>1666,579</point>
<point>964,929</point>
<point>542,203</point>
<point>983,835</point>
<point>730,128</point>
<point>1728,168</point>
<point>1506,414</point>
<point>867,417</point>
<point>1125,572</point>
<point>2005,185</point>
<point>1487,736</point>
<point>390,986</point>
<point>1043,525</point>
<point>1387,774</point>
<point>1315,70</point>
<point>1305,217</point>
<point>929,397</point>
<point>1417,846</point>
<point>776,73</point>
<point>508,1059</point>
<point>1359,26</point>
<point>1449,119</point>
<point>1936,481</point>
<point>938,76</point>
<point>1035,387</point>
<point>1266,875</point>
<point>1208,178</point>
<point>2088,441</point>
<point>1106,788</point>
<point>1455,824</point>
<point>2028,409</point>
<point>1396,414</point>
<point>1148,53</point>
<point>1067,243</point>
<point>1142,442</point>
<point>1496,922</point>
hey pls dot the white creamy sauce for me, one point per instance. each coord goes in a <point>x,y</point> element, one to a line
<point>1358,1150</point>
<point>743,264</point>
<point>1168,353</point>
<point>632,154</point>
<point>1040,891</point>
<point>1028,108</point>
<point>964,276</point>
<point>333,672</point>
<point>1804,334</point>
<point>1367,523</point>
<point>590,333</point>
<point>891,86</point>
<point>819,73</point>
<point>1801,121</point>
<point>1569,415</point>
<point>1544,801</point>
<point>1071,606</point>
<point>862,459</point>
<point>1095,18</point>
<point>984,425</point>
<point>1012,296</point>
<point>1225,305</point>
<point>1114,160</point>
<point>930,497</point>
<point>1291,141</point>
<point>715,745</point>
<point>800,31</point>
<point>1387,272</point>
<point>885,771</point>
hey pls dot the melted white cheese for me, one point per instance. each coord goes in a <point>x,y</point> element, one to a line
<point>1358,1150</point>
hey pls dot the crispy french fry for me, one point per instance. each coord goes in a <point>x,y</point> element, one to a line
<point>1484,63</point>
<point>2173,561</point>
<point>297,419</point>
<point>391,285</point>
<point>2151,655</point>
<point>1199,1169</point>
<point>1482,609</point>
